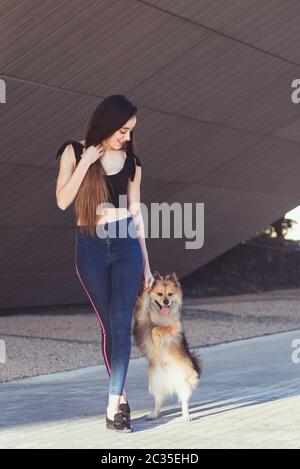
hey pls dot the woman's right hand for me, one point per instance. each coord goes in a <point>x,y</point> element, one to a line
<point>92,153</point>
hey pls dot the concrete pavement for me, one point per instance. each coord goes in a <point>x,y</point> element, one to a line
<point>248,397</point>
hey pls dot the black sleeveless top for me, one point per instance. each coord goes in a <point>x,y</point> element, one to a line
<point>116,183</point>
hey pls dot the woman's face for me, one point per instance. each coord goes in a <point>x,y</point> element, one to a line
<point>117,140</point>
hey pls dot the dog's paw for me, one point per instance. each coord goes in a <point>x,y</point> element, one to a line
<point>152,416</point>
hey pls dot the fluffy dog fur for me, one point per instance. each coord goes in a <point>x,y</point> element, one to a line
<point>157,331</point>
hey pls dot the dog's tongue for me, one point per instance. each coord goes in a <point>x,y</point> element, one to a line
<point>165,310</point>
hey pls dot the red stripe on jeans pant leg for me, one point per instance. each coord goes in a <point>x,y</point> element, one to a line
<point>104,332</point>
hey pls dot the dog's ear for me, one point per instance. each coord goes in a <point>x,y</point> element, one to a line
<point>156,275</point>
<point>173,277</point>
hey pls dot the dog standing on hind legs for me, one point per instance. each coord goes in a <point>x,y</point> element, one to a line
<point>157,331</point>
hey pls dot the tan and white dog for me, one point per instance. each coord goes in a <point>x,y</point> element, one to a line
<point>157,331</point>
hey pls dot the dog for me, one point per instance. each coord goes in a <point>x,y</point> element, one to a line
<point>157,332</point>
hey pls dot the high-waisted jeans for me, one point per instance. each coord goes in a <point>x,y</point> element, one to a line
<point>110,269</point>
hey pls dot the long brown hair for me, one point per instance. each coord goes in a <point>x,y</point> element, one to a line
<point>109,116</point>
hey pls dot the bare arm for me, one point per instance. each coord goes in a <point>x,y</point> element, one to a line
<point>69,179</point>
<point>134,208</point>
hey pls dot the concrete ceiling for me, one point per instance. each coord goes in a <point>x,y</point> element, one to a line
<point>216,124</point>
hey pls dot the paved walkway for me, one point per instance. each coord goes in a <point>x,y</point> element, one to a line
<point>56,339</point>
<point>249,397</point>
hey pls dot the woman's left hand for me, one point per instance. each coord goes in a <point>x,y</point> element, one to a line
<point>148,278</point>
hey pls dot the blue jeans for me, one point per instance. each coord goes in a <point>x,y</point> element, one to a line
<point>110,269</point>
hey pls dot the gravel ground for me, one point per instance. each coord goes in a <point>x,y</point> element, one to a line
<point>65,339</point>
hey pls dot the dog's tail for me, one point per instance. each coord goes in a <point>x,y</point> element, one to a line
<point>193,355</point>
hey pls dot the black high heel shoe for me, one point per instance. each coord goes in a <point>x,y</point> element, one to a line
<point>121,423</point>
<point>125,409</point>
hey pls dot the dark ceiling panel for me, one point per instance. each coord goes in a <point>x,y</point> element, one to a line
<point>224,82</point>
<point>271,25</point>
<point>212,83</point>
<point>98,47</point>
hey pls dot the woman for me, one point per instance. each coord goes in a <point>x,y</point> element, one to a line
<point>110,253</point>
